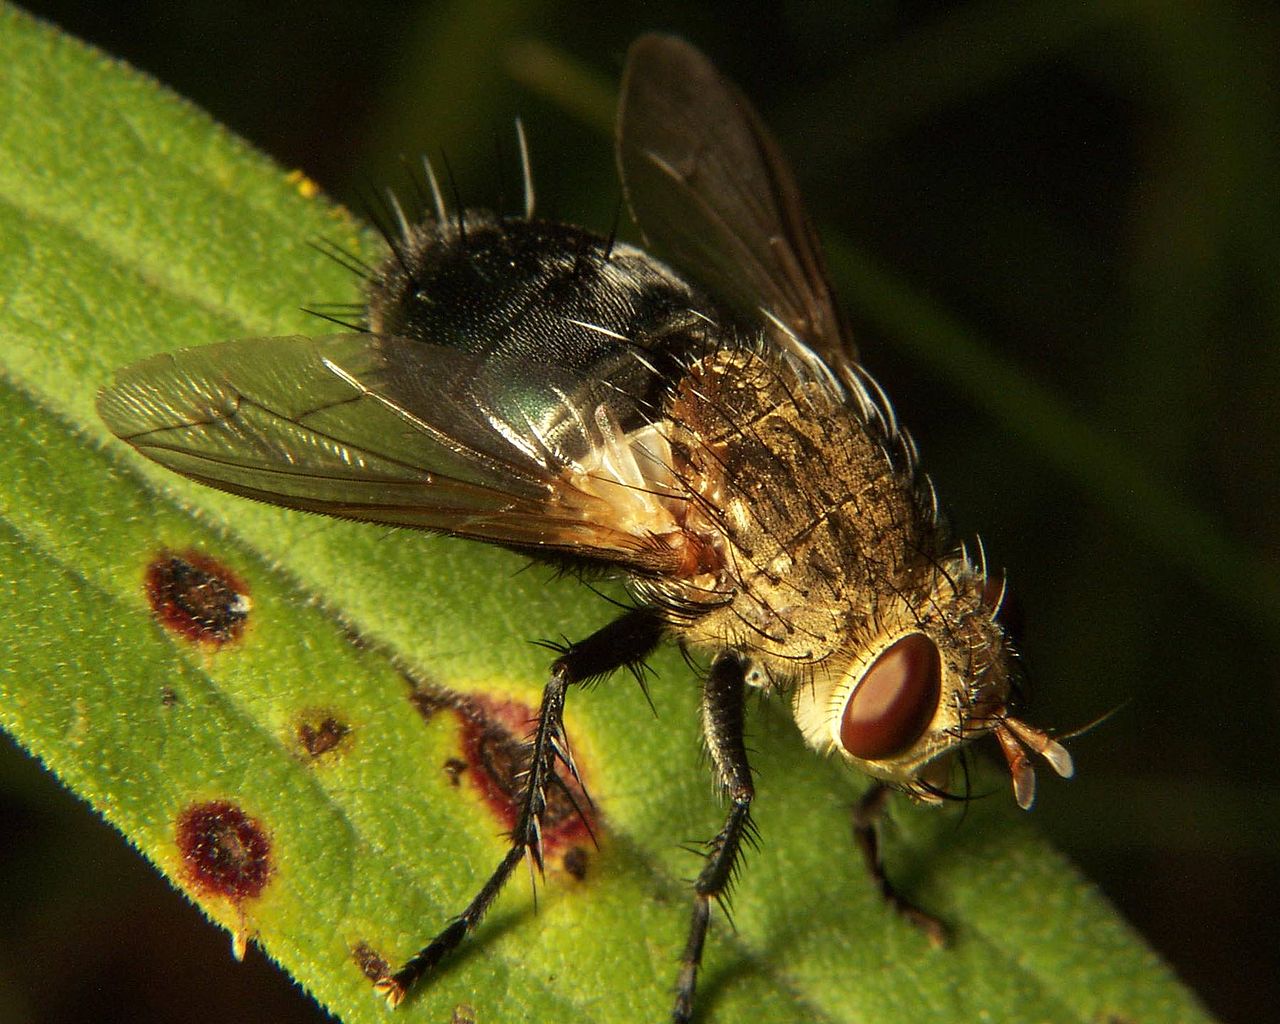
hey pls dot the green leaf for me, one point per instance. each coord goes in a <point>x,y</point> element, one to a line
<point>130,224</point>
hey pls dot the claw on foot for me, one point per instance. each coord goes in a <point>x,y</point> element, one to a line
<point>391,990</point>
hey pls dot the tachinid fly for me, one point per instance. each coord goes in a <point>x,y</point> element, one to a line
<point>706,433</point>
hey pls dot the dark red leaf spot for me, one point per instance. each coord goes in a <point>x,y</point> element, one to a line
<point>495,750</point>
<point>427,698</point>
<point>197,597</point>
<point>372,965</point>
<point>463,1013</point>
<point>320,732</point>
<point>453,769</point>
<point>225,852</point>
<point>169,697</point>
<point>576,860</point>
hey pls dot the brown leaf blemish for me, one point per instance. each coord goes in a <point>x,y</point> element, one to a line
<point>225,855</point>
<point>428,699</point>
<point>197,597</point>
<point>495,734</point>
<point>321,732</point>
<point>575,862</point>
<point>371,963</point>
<point>495,749</point>
<point>453,769</point>
<point>225,852</point>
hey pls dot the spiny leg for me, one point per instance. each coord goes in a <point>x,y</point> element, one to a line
<point>625,641</point>
<point>722,726</point>
<point>867,817</point>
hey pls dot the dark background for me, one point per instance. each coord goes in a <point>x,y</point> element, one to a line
<point>1090,190</point>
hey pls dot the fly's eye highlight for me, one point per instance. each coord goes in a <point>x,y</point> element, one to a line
<point>894,701</point>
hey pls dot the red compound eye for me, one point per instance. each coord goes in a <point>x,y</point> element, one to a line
<point>895,700</point>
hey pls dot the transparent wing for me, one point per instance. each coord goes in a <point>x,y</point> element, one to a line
<point>710,189</point>
<point>379,429</point>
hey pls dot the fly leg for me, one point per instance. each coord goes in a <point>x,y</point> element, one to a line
<point>626,641</point>
<point>722,727</point>
<point>866,830</point>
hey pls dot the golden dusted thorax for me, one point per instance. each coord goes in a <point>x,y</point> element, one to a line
<point>820,549</point>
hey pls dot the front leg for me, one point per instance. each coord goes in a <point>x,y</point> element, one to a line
<point>867,819</point>
<point>626,641</point>
<point>722,727</point>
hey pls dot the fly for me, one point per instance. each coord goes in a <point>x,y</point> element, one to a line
<point>700,427</point>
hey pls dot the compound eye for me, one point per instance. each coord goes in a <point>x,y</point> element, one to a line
<point>895,700</point>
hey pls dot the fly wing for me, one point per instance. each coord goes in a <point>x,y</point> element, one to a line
<point>385,430</point>
<point>710,188</point>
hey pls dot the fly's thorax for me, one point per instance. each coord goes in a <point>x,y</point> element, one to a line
<point>802,516</point>
<point>810,552</point>
<point>520,293</point>
<point>927,673</point>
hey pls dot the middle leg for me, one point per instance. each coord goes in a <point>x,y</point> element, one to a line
<point>626,641</point>
<point>868,817</point>
<point>722,727</point>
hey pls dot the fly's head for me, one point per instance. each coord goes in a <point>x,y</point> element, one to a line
<point>930,670</point>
